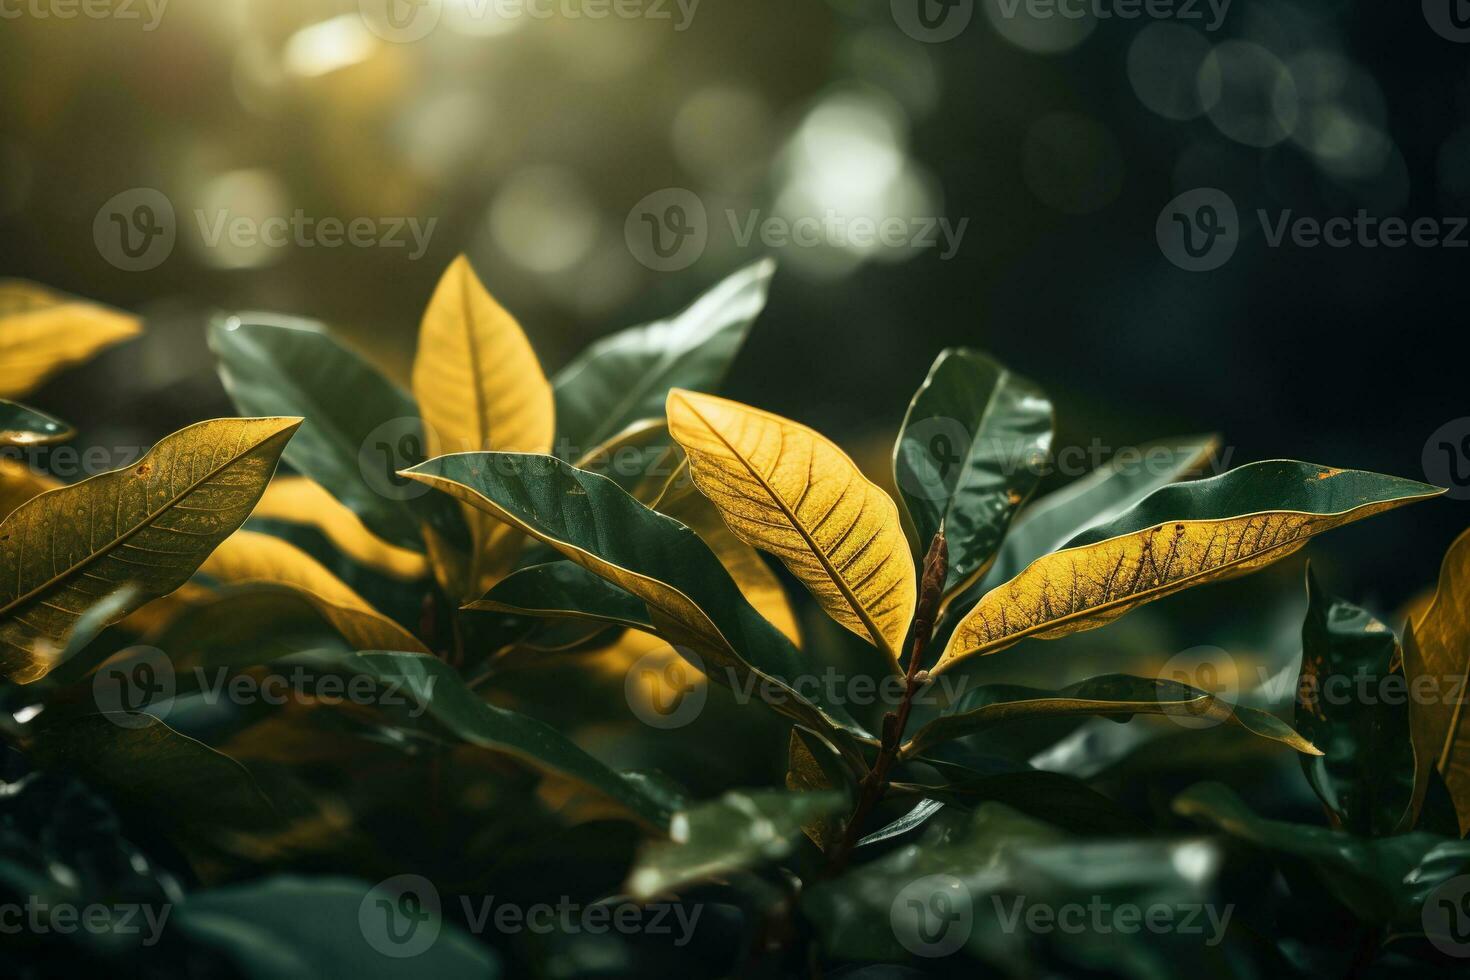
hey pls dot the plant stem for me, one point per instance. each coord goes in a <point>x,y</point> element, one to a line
<point>875,783</point>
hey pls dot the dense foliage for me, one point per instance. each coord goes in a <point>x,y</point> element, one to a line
<point>507,645</point>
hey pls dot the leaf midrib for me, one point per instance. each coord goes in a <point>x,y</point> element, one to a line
<point>235,457</point>
<point>878,638</point>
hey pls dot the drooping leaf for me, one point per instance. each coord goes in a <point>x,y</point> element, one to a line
<point>739,830</point>
<point>1384,880</point>
<point>1176,538</point>
<point>1117,695</point>
<point>479,387</point>
<point>626,377</point>
<point>151,525</point>
<point>1437,665</point>
<point>301,500</point>
<point>1345,708</point>
<point>564,589</point>
<point>971,451</point>
<point>434,685</point>
<point>249,557</point>
<point>785,489</point>
<point>1094,499</point>
<point>358,422</point>
<point>295,928</point>
<point>43,332</point>
<point>21,425</point>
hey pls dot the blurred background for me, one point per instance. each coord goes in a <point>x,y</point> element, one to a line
<point>534,135</point>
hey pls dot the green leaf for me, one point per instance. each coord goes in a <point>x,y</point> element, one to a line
<point>433,685</point>
<point>276,365</point>
<point>593,522</point>
<point>1384,881</point>
<point>294,928</point>
<point>21,425</point>
<point>564,589</point>
<point>1177,538</point>
<point>955,890</point>
<point>1366,774</point>
<point>625,378</point>
<point>150,525</point>
<point>1119,695</point>
<point>972,448</point>
<point>912,820</point>
<point>1058,799</point>
<point>739,830</point>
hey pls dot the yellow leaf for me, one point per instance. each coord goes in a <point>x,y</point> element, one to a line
<point>1224,527</point>
<point>757,582</point>
<point>785,489</point>
<point>42,332</point>
<point>1436,663</point>
<point>19,483</point>
<point>479,387</point>
<point>150,525</point>
<point>300,500</point>
<point>248,557</point>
